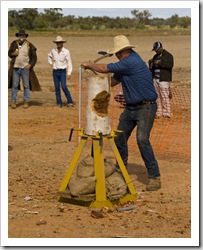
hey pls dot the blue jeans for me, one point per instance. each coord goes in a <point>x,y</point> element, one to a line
<point>59,77</point>
<point>141,117</point>
<point>25,75</point>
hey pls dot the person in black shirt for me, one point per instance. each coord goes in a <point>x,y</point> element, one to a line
<point>161,67</point>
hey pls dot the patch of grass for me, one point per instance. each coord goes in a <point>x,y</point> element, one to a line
<point>109,33</point>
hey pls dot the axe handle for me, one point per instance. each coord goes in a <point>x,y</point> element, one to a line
<point>101,57</point>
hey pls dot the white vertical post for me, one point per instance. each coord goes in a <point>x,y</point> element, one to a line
<point>80,101</point>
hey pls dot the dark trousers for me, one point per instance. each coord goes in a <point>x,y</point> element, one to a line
<point>59,77</point>
<point>141,117</point>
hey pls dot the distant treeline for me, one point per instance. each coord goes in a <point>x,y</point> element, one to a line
<point>31,19</point>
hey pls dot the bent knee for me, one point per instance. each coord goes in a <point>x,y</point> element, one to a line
<point>142,141</point>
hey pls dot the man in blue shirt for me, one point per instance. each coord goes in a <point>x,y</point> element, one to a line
<point>140,97</point>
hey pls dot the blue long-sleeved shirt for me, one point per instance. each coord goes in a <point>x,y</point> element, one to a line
<point>135,77</point>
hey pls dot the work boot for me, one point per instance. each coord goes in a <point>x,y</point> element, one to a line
<point>71,104</point>
<point>26,105</point>
<point>154,184</point>
<point>13,104</point>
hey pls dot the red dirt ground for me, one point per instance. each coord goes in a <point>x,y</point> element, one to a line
<point>41,152</point>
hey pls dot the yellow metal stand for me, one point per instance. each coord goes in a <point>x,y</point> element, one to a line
<point>100,200</point>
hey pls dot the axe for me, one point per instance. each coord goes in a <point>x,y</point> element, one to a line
<point>104,55</point>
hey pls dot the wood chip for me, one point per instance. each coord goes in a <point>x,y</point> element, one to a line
<point>97,215</point>
<point>31,212</point>
<point>41,222</point>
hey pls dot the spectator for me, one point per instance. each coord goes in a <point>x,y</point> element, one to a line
<point>60,60</point>
<point>161,67</point>
<point>23,59</point>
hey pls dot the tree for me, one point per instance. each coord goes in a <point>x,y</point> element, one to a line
<point>26,17</point>
<point>12,16</point>
<point>40,22</point>
<point>157,22</point>
<point>142,17</point>
<point>184,21</point>
<point>173,21</point>
<point>69,20</point>
<point>52,14</point>
<point>30,19</point>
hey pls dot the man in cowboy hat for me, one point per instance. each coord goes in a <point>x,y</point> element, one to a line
<point>140,109</point>
<point>23,59</point>
<point>60,60</point>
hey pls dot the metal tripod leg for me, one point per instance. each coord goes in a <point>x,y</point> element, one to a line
<point>99,171</point>
<point>121,165</point>
<point>73,163</point>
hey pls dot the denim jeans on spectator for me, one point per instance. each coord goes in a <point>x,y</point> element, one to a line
<point>141,117</point>
<point>25,75</point>
<point>59,77</point>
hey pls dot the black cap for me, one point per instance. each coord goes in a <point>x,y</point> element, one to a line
<point>156,46</point>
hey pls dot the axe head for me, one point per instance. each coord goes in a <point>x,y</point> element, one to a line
<point>103,55</point>
<point>102,52</point>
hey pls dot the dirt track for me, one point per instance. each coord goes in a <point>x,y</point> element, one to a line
<point>41,152</point>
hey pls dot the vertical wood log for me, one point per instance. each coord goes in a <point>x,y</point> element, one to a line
<point>97,118</point>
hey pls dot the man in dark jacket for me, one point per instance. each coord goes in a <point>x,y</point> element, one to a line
<point>161,67</point>
<point>23,59</point>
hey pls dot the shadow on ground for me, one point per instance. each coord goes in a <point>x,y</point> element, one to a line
<point>140,172</point>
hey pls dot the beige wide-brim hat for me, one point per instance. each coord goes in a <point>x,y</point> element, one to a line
<point>120,43</point>
<point>59,39</point>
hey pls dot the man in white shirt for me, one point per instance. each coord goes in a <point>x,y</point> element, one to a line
<point>60,60</point>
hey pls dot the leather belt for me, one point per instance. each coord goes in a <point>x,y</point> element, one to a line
<point>59,69</point>
<point>140,103</point>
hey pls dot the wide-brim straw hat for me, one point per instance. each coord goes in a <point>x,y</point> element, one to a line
<point>59,39</point>
<point>120,43</point>
<point>21,33</point>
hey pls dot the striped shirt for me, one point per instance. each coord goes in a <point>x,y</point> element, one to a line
<point>135,77</point>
